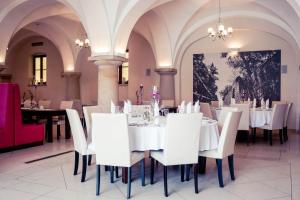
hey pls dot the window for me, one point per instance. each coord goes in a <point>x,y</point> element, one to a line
<point>124,71</point>
<point>40,69</point>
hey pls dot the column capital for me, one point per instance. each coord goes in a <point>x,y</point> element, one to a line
<point>71,74</point>
<point>107,60</point>
<point>166,71</point>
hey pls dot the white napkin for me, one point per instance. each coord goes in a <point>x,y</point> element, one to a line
<point>125,109</point>
<point>262,103</point>
<point>196,107</point>
<point>189,107</point>
<point>254,103</point>
<point>249,101</point>
<point>156,109</point>
<point>220,102</point>
<point>112,107</point>
<point>182,107</point>
<point>232,101</point>
<point>267,104</point>
<point>129,106</point>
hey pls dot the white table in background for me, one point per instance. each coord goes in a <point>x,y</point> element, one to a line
<point>260,117</point>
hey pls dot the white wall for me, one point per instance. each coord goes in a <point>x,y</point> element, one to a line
<point>19,63</point>
<point>247,40</point>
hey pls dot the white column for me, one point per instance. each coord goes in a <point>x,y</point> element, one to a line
<point>108,87</point>
<point>72,85</point>
<point>167,83</point>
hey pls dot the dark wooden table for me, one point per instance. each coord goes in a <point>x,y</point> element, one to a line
<point>48,114</point>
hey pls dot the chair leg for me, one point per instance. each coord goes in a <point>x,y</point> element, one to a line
<point>98,172</point>
<point>202,164</point>
<point>266,132</point>
<point>254,135</point>
<point>152,171</point>
<point>231,167</point>
<point>84,165</point>
<point>166,180</point>
<point>270,137</point>
<point>117,172</point>
<point>182,168</point>
<point>220,174</point>
<point>129,183</point>
<point>281,135</point>
<point>76,163</point>
<point>188,169</point>
<point>89,159</point>
<point>248,137</point>
<point>111,174</point>
<point>58,131</point>
<point>143,172</point>
<point>285,134</point>
<point>106,168</point>
<point>196,178</point>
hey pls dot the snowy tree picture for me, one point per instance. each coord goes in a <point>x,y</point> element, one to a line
<point>254,74</point>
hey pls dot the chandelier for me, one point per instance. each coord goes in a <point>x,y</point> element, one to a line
<point>222,32</point>
<point>84,42</point>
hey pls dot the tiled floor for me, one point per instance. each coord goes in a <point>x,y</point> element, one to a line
<point>262,172</point>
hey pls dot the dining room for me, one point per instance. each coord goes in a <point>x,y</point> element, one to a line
<point>149,100</point>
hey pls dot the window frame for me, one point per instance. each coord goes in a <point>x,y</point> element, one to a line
<point>41,75</point>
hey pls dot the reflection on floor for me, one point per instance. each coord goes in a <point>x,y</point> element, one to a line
<point>262,172</point>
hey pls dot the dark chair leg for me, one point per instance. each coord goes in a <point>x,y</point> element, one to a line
<point>76,163</point>
<point>111,174</point>
<point>270,137</point>
<point>143,172</point>
<point>58,131</point>
<point>152,171</point>
<point>166,180</point>
<point>281,135</point>
<point>196,178</point>
<point>90,159</point>
<point>248,137</point>
<point>202,164</point>
<point>98,172</point>
<point>117,172</point>
<point>156,164</point>
<point>266,132</point>
<point>84,166</point>
<point>254,135</point>
<point>129,183</point>
<point>220,174</point>
<point>188,169</point>
<point>285,134</point>
<point>231,167</point>
<point>182,172</point>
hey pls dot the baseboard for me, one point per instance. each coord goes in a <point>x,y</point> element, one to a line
<point>22,146</point>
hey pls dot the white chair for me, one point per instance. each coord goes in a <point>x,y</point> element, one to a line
<point>179,148</point>
<point>226,145</point>
<point>245,118</point>
<point>140,109</point>
<point>167,103</point>
<point>214,104</point>
<point>286,116</point>
<point>60,120</point>
<point>29,104</point>
<point>112,145</point>
<point>80,144</point>
<point>277,102</point>
<point>206,110</point>
<point>277,122</point>
<point>223,115</point>
<point>45,103</point>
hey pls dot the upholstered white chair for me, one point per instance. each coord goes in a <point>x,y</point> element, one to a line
<point>61,120</point>
<point>286,116</point>
<point>206,110</point>
<point>167,103</point>
<point>226,145</point>
<point>181,145</point>
<point>112,145</point>
<point>80,144</point>
<point>245,118</point>
<point>277,121</point>
<point>28,103</point>
<point>45,103</point>
<point>214,104</point>
<point>277,102</point>
<point>223,115</point>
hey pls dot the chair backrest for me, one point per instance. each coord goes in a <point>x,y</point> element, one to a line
<point>87,111</point>
<point>228,134</point>
<point>214,104</point>
<point>140,109</point>
<point>277,102</point>
<point>278,116</point>
<point>80,144</point>
<point>245,118</point>
<point>167,103</point>
<point>206,110</point>
<point>286,116</point>
<point>223,115</point>
<point>44,103</point>
<point>182,138</point>
<point>66,104</point>
<point>112,144</point>
<point>27,103</point>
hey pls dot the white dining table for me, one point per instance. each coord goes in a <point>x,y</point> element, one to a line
<point>144,137</point>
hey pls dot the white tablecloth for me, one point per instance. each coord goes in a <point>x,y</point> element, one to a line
<point>259,117</point>
<point>151,137</point>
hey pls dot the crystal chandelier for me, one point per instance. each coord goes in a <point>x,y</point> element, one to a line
<point>85,42</point>
<point>222,32</point>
